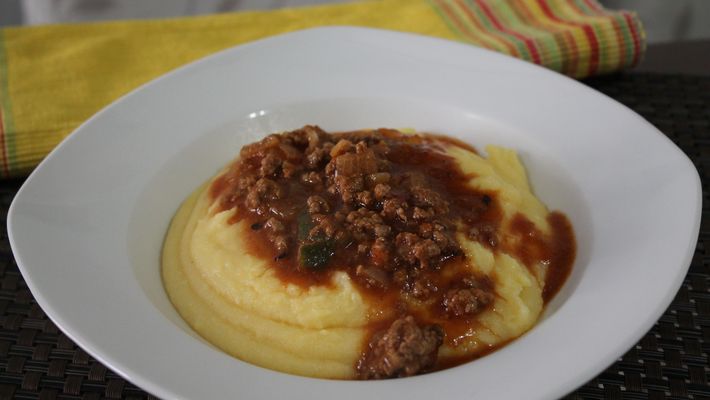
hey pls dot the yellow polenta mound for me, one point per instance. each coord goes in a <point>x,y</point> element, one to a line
<point>235,301</point>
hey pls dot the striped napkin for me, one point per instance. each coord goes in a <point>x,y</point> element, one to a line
<point>54,77</point>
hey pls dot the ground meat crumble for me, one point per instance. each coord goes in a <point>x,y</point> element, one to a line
<point>383,206</point>
<point>404,349</point>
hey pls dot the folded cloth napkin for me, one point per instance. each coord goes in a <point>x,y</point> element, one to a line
<point>54,77</point>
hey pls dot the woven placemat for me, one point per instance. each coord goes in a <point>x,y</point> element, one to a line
<point>670,362</point>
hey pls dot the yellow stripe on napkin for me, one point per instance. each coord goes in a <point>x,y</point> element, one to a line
<point>54,77</point>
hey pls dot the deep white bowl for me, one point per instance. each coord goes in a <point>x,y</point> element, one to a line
<point>87,226</point>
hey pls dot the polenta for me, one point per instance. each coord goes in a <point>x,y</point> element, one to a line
<point>364,255</point>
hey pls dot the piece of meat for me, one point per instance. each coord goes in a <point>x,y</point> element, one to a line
<point>415,250</point>
<point>403,349</point>
<point>380,253</point>
<point>264,189</point>
<point>281,244</point>
<point>364,198</point>
<point>423,288</point>
<point>325,225</point>
<point>367,224</point>
<point>381,190</point>
<point>421,214</point>
<point>316,158</point>
<point>259,148</point>
<point>317,205</point>
<point>372,275</point>
<point>274,225</point>
<point>348,187</point>
<point>270,165</point>
<point>426,251</point>
<point>393,209</point>
<point>289,169</point>
<point>404,244</point>
<point>466,301</point>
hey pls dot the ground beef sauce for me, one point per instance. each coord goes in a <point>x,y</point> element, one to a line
<point>384,207</point>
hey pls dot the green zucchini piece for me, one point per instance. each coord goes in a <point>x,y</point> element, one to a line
<point>316,255</point>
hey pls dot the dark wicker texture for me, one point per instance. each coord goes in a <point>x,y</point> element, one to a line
<point>670,362</point>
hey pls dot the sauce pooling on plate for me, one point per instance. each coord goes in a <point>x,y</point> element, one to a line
<point>399,216</point>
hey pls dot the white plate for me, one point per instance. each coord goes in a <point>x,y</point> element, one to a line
<point>87,226</point>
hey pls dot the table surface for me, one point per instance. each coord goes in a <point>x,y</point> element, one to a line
<point>688,57</point>
<point>37,361</point>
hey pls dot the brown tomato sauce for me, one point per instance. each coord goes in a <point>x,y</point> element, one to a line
<point>384,208</point>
